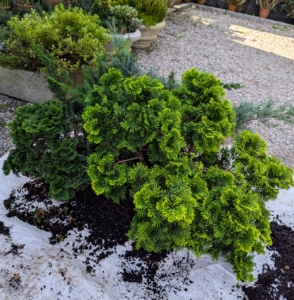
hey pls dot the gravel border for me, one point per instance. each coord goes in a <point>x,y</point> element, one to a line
<point>258,55</point>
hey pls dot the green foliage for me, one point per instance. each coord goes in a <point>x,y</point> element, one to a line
<point>151,12</point>
<point>207,118</point>
<point>169,83</point>
<point>70,35</point>
<point>102,8</point>
<point>49,145</point>
<point>161,145</point>
<point>266,113</point>
<point>124,18</point>
<point>4,3</point>
<point>4,17</point>
<point>49,139</point>
<point>230,86</point>
<point>2,107</point>
<point>288,6</point>
<point>166,154</point>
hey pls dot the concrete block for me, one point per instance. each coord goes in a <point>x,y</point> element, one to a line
<point>182,6</point>
<point>242,16</point>
<point>276,23</point>
<point>210,8</point>
<point>171,10</point>
<point>24,85</point>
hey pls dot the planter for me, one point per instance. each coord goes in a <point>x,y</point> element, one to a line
<point>31,86</point>
<point>25,7</point>
<point>55,2</point>
<point>133,37</point>
<point>24,85</point>
<point>263,13</point>
<point>201,1</point>
<point>7,8</point>
<point>148,35</point>
<point>232,7</point>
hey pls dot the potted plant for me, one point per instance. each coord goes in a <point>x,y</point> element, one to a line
<point>265,6</point>
<point>288,6</point>
<point>5,4</point>
<point>233,4</point>
<point>152,14</point>
<point>25,4</point>
<point>123,19</point>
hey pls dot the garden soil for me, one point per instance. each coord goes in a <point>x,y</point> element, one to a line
<point>107,224</point>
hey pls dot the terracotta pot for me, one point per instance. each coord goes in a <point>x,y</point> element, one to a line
<point>55,2</point>
<point>232,7</point>
<point>148,35</point>
<point>201,1</point>
<point>25,7</point>
<point>263,13</point>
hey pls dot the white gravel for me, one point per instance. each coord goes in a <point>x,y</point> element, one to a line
<point>258,56</point>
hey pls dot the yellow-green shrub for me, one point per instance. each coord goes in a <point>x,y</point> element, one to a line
<point>70,35</point>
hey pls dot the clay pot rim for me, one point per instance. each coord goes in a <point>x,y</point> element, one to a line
<point>158,26</point>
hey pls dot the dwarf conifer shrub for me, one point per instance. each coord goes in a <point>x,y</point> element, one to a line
<point>69,34</point>
<point>164,149</point>
<point>49,145</point>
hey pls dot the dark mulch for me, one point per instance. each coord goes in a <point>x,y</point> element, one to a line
<point>108,223</point>
<point>279,282</point>
<point>4,230</point>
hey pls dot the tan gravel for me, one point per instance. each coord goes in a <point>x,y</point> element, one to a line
<point>258,56</point>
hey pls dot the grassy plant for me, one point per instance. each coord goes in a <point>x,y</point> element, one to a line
<point>150,12</point>
<point>288,6</point>
<point>230,86</point>
<point>268,4</point>
<point>3,106</point>
<point>4,3</point>
<point>278,28</point>
<point>177,35</point>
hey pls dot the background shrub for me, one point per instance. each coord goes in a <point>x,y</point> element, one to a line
<point>70,35</point>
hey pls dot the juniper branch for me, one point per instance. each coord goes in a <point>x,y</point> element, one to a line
<point>266,113</point>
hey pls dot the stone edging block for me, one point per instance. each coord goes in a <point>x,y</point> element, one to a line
<point>182,6</point>
<point>24,85</point>
<point>231,13</point>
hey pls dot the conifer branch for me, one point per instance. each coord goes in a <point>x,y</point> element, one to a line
<point>125,160</point>
<point>265,113</point>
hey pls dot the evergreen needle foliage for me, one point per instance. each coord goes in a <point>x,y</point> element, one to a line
<point>266,113</point>
<point>130,136</point>
<point>166,154</point>
<point>230,86</point>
